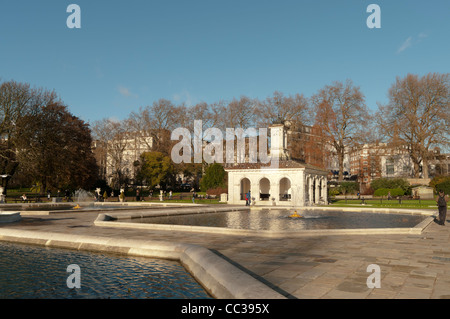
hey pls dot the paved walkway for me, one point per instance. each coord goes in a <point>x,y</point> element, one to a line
<point>412,266</point>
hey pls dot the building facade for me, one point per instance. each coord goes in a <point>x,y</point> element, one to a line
<point>379,160</point>
<point>287,183</point>
<point>119,157</point>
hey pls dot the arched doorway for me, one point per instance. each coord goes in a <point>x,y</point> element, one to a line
<point>245,187</point>
<point>264,189</point>
<point>285,189</point>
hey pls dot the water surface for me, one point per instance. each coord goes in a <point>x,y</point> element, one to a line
<point>36,272</point>
<point>279,220</point>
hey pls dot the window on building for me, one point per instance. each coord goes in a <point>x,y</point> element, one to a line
<point>390,167</point>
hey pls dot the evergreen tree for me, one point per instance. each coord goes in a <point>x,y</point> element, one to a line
<point>215,176</point>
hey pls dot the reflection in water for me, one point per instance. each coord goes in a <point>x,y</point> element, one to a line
<point>47,207</point>
<point>37,272</point>
<point>57,207</point>
<point>279,220</point>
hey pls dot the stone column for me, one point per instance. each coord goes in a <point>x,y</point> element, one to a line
<point>274,191</point>
<point>317,193</point>
<point>237,189</point>
<point>310,191</point>
<point>324,190</point>
<point>254,189</point>
<point>231,188</point>
<point>298,191</point>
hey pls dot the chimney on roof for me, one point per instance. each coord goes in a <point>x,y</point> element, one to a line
<point>278,141</point>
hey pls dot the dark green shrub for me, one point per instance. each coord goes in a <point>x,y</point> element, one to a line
<point>444,186</point>
<point>215,176</point>
<point>348,188</point>
<point>385,191</point>
<point>391,183</point>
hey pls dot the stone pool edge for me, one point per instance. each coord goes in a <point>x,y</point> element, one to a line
<point>218,277</point>
<point>106,220</point>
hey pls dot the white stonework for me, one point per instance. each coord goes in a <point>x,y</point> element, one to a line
<point>278,142</point>
<point>292,183</point>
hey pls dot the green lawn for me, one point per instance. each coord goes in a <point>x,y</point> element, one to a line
<point>197,201</point>
<point>376,203</point>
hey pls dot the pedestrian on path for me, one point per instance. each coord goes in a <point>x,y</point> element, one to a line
<point>442,200</point>
<point>138,196</point>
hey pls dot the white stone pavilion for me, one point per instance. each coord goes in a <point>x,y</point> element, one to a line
<point>291,183</point>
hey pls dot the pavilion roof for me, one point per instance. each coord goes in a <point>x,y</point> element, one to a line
<point>282,164</point>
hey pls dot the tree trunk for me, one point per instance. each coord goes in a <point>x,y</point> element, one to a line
<point>5,185</point>
<point>44,185</point>
<point>341,165</point>
<point>425,168</point>
<point>416,163</point>
<point>416,169</point>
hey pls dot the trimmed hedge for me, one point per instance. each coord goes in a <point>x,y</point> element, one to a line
<point>391,183</point>
<point>385,191</point>
<point>445,186</point>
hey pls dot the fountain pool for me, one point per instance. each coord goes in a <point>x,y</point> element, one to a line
<point>276,222</point>
<point>34,272</point>
<point>280,220</point>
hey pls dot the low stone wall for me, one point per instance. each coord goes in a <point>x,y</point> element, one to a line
<point>220,278</point>
<point>118,220</point>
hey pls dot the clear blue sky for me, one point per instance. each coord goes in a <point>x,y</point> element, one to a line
<point>131,53</point>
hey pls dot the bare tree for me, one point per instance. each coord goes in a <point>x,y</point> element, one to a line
<point>209,115</point>
<point>341,113</point>
<point>153,124</point>
<point>239,113</point>
<point>417,116</point>
<point>281,108</point>
<point>113,138</point>
<point>291,111</point>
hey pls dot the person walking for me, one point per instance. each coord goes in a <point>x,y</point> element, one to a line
<point>138,196</point>
<point>441,201</point>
